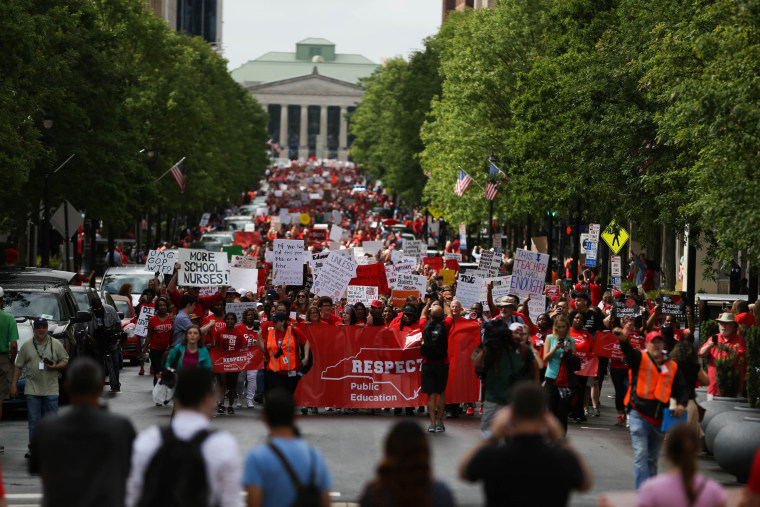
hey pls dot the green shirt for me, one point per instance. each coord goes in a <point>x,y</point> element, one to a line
<point>41,382</point>
<point>8,332</point>
<point>502,370</point>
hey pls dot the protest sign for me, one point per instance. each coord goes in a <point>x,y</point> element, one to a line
<point>673,304</point>
<point>336,233</point>
<point>372,247</point>
<point>468,289</point>
<point>275,223</point>
<point>448,276</point>
<point>226,361</point>
<point>607,344</point>
<point>536,306</point>
<point>626,308</point>
<point>336,217</point>
<point>395,256</point>
<point>244,278</point>
<point>308,283</point>
<point>501,287</point>
<point>390,276</point>
<point>239,308</point>
<point>361,294</point>
<point>231,250</point>
<point>452,260</point>
<point>288,262</point>
<point>398,297</point>
<point>551,291</point>
<point>497,242</point>
<point>411,282</point>
<point>371,275</point>
<point>435,263</point>
<point>161,261</point>
<point>489,263</point>
<point>243,261</point>
<point>146,312</point>
<point>317,261</point>
<point>413,248</point>
<point>529,272</point>
<point>338,270</point>
<point>201,268</point>
<point>204,219</point>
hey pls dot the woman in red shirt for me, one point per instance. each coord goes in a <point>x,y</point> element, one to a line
<point>228,339</point>
<point>583,345</point>
<point>619,368</point>
<point>160,327</point>
<point>250,337</point>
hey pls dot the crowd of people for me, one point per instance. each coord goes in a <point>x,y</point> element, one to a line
<point>539,371</point>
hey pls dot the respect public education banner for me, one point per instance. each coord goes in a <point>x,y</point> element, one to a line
<point>161,261</point>
<point>201,268</point>
<point>377,367</point>
<point>224,361</point>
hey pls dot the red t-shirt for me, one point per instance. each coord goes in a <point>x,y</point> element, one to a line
<point>538,343</point>
<point>229,339</point>
<point>583,343</point>
<point>202,305</point>
<point>162,332</point>
<point>249,335</point>
<point>332,320</point>
<point>218,323</point>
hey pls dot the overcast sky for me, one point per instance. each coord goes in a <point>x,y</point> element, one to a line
<point>376,29</point>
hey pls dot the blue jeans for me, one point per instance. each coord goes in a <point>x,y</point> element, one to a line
<point>647,441</point>
<point>38,407</point>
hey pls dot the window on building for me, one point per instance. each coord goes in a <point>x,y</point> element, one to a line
<point>294,131</point>
<point>315,51</point>
<point>197,18</point>
<point>274,122</point>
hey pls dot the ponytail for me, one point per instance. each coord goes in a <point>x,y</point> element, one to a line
<point>682,450</point>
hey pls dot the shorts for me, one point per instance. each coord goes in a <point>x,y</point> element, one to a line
<point>6,375</point>
<point>434,377</point>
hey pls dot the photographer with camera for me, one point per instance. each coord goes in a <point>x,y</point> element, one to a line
<point>505,360</point>
<point>718,347</point>
<point>103,335</point>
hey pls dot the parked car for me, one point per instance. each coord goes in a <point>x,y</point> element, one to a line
<point>130,344</point>
<point>214,241</point>
<point>84,295</point>
<point>237,222</point>
<point>10,273</point>
<point>117,276</point>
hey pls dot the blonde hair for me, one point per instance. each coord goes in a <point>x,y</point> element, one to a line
<point>561,318</point>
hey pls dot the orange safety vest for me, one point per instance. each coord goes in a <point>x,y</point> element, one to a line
<point>652,383</point>
<point>290,351</point>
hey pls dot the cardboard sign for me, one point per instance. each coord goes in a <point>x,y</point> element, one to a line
<point>411,282</point>
<point>288,264</point>
<point>673,304</point>
<point>244,278</point>
<point>448,276</point>
<point>489,263</point>
<point>372,247</point>
<point>146,312</point>
<point>435,263</point>
<point>372,275</point>
<point>398,297</point>
<point>529,272</point>
<point>161,261</point>
<point>201,268</point>
<point>241,261</point>
<point>626,308</point>
<point>361,294</point>
<point>468,289</point>
<point>239,308</point>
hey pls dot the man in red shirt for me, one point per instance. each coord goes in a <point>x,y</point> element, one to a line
<point>325,305</point>
<point>229,339</point>
<point>715,348</point>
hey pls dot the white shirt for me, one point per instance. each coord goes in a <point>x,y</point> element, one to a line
<point>224,464</point>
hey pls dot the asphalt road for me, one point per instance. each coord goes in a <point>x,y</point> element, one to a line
<point>352,445</point>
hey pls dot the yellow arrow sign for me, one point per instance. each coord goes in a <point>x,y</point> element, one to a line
<point>615,237</point>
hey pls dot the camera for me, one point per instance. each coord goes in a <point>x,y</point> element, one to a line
<point>48,362</point>
<point>496,335</point>
<point>278,354</point>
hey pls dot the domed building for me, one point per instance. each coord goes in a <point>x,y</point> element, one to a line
<point>307,94</point>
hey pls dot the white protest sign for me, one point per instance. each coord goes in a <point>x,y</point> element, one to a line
<point>411,282</point>
<point>288,264</point>
<point>372,247</point>
<point>448,256</point>
<point>489,263</point>
<point>395,256</point>
<point>317,261</point>
<point>146,312</point>
<point>413,249</point>
<point>529,273</point>
<point>338,270</point>
<point>243,261</point>
<point>536,306</point>
<point>390,275</point>
<point>278,193</point>
<point>201,268</point>
<point>501,286</point>
<point>269,256</point>
<point>360,294</point>
<point>244,278</point>
<point>239,308</point>
<point>336,217</point>
<point>336,233</point>
<point>468,289</point>
<point>161,261</point>
<point>204,219</point>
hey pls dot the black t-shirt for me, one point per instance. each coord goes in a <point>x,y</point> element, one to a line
<point>594,322</point>
<point>516,473</point>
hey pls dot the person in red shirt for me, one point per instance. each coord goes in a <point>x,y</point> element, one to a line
<point>583,345</point>
<point>326,314</point>
<point>250,339</point>
<point>619,368</point>
<point>214,321</point>
<point>202,303</point>
<point>160,328</point>
<point>715,348</point>
<point>228,339</point>
<point>543,329</point>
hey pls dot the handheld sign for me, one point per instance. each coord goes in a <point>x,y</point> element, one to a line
<point>161,261</point>
<point>146,312</point>
<point>201,268</point>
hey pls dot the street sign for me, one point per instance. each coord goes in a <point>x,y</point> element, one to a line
<point>593,230</point>
<point>58,220</point>
<point>617,266</point>
<point>615,237</point>
<point>585,239</point>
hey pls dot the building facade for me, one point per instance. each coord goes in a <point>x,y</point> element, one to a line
<point>196,18</point>
<point>307,94</point>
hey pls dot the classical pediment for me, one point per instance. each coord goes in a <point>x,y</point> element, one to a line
<point>312,84</point>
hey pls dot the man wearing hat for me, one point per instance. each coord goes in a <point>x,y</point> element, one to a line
<point>8,350</point>
<point>43,357</point>
<point>716,347</point>
<point>504,308</point>
<point>655,379</point>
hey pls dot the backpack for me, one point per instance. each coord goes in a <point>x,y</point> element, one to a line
<point>176,475</point>
<point>435,340</point>
<point>307,495</point>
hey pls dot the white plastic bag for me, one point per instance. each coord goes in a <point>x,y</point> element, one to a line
<point>162,393</point>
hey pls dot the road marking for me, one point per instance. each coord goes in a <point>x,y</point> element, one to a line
<point>334,493</point>
<point>590,428</point>
<point>23,496</point>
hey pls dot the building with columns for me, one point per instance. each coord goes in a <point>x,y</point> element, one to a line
<point>307,95</point>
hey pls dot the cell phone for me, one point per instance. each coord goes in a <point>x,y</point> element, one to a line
<point>715,339</point>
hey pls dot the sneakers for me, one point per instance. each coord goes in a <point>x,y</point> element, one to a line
<point>439,428</point>
<point>230,410</point>
<point>142,371</point>
<point>470,411</point>
<point>220,409</point>
<point>431,428</point>
<point>239,403</point>
<point>620,420</point>
<point>585,412</point>
<point>596,412</point>
<point>250,404</point>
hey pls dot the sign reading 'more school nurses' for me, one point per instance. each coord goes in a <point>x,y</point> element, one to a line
<point>201,268</point>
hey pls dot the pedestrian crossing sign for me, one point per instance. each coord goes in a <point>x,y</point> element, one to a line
<point>615,237</point>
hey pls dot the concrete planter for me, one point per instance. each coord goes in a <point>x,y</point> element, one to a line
<point>735,446</point>
<point>722,419</point>
<point>717,405</point>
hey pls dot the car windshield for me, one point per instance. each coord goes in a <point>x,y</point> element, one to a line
<point>224,239</point>
<point>33,304</point>
<point>83,302</point>
<point>123,307</point>
<point>113,281</point>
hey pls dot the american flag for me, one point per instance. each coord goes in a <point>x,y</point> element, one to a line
<point>178,171</point>
<point>492,187</point>
<point>463,181</point>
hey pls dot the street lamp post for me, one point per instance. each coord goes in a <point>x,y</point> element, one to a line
<point>47,122</point>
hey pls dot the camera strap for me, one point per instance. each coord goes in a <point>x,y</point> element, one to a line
<point>44,347</point>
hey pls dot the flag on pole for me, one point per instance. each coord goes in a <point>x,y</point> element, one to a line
<point>178,171</point>
<point>463,181</point>
<point>492,187</point>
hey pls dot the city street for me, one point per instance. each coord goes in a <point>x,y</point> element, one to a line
<point>352,445</point>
